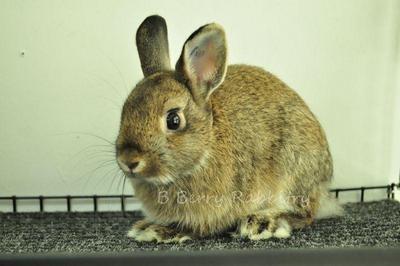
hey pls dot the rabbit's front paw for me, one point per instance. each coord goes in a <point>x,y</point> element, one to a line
<point>144,231</point>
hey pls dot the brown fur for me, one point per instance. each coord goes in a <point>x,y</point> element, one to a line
<point>252,148</point>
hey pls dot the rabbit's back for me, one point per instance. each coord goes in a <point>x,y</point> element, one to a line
<point>275,138</point>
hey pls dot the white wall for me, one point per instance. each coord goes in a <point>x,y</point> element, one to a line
<point>66,67</point>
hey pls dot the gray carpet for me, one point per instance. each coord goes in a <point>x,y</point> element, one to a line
<point>374,224</point>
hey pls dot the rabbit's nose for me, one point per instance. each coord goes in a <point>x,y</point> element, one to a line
<point>131,166</point>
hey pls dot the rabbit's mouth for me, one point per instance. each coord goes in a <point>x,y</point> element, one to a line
<point>156,180</point>
<point>160,180</point>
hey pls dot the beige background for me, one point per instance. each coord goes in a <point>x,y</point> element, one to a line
<point>66,67</point>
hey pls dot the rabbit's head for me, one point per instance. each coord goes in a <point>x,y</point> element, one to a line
<point>166,121</point>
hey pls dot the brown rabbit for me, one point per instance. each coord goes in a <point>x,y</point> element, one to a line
<point>210,147</point>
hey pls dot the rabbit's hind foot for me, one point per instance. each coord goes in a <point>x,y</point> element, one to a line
<point>259,227</point>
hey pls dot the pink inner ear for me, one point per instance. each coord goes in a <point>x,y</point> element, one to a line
<point>204,64</point>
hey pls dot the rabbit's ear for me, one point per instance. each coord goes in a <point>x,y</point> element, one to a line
<point>202,64</point>
<point>152,45</point>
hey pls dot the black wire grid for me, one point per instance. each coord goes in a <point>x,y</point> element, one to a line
<point>95,198</point>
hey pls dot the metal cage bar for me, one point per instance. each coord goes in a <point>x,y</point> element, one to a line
<point>95,198</point>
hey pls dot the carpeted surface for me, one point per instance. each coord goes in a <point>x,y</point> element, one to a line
<point>364,224</point>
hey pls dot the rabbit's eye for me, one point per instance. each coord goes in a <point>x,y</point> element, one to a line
<point>173,120</point>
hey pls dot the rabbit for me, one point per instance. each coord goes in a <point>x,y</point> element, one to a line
<point>211,148</point>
